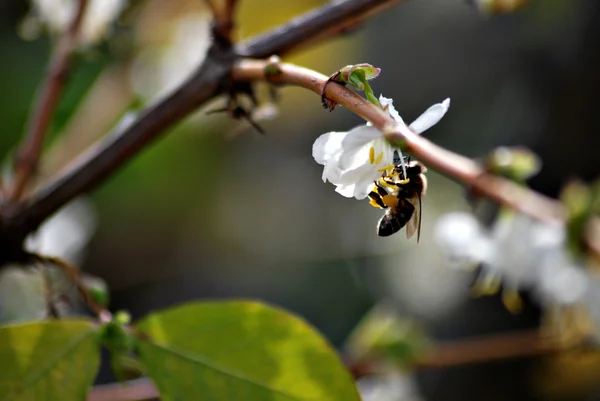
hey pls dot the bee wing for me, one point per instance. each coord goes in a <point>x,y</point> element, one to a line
<point>414,224</point>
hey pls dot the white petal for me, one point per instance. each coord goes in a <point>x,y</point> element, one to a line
<point>327,145</point>
<point>389,105</point>
<point>567,285</point>
<point>345,190</point>
<point>331,172</point>
<point>431,117</point>
<point>355,158</point>
<point>358,189</point>
<point>461,237</point>
<point>363,187</point>
<point>359,136</point>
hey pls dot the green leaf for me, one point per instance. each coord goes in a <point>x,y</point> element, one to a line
<point>55,360</point>
<point>240,351</point>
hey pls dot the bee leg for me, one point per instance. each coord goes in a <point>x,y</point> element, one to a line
<point>377,195</point>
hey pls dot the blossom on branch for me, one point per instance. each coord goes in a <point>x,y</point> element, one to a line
<point>57,16</point>
<point>517,252</point>
<point>352,160</point>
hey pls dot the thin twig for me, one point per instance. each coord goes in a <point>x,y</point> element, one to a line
<point>457,167</point>
<point>133,390</point>
<point>490,348</point>
<point>76,277</point>
<point>48,291</point>
<point>119,146</point>
<point>224,19</point>
<point>29,152</point>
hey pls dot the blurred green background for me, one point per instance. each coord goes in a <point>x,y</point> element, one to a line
<point>215,210</point>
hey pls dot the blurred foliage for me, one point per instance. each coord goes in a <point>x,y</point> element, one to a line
<point>384,335</point>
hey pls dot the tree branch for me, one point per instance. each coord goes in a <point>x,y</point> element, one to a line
<point>455,166</point>
<point>224,16</point>
<point>95,165</point>
<point>494,347</point>
<point>29,153</point>
<point>327,21</point>
<point>110,153</point>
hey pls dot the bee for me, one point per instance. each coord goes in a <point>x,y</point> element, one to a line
<point>400,196</point>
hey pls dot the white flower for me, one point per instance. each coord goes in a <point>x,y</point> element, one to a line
<point>162,66</point>
<point>99,15</point>
<point>523,253</point>
<point>462,238</point>
<point>66,233</point>
<point>353,160</point>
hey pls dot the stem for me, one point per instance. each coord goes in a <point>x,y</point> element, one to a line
<point>455,166</point>
<point>494,347</point>
<point>29,153</point>
<point>119,146</point>
<point>75,275</point>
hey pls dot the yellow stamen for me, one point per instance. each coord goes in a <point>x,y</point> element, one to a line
<point>512,301</point>
<point>485,285</point>
<point>379,158</point>
<point>372,155</point>
<point>386,168</point>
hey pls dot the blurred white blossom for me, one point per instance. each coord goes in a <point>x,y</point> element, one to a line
<point>520,252</point>
<point>63,235</point>
<point>353,160</point>
<point>161,67</point>
<point>66,233</point>
<point>21,294</point>
<point>390,386</point>
<point>57,16</point>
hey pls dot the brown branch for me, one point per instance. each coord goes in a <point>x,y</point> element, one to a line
<point>30,150</point>
<point>114,150</point>
<point>75,276</point>
<point>224,19</point>
<point>489,348</point>
<point>133,390</point>
<point>95,165</point>
<point>455,166</point>
<point>312,27</point>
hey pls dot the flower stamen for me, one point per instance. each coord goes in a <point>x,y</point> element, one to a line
<point>386,168</point>
<point>372,155</point>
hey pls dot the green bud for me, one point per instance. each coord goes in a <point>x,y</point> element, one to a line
<point>517,164</point>
<point>578,201</point>
<point>97,289</point>
<point>382,334</point>
<point>116,335</point>
<point>273,67</point>
<point>358,74</point>
<point>122,318</point>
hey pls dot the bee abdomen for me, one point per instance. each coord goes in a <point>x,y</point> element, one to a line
<point>394,219</point>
